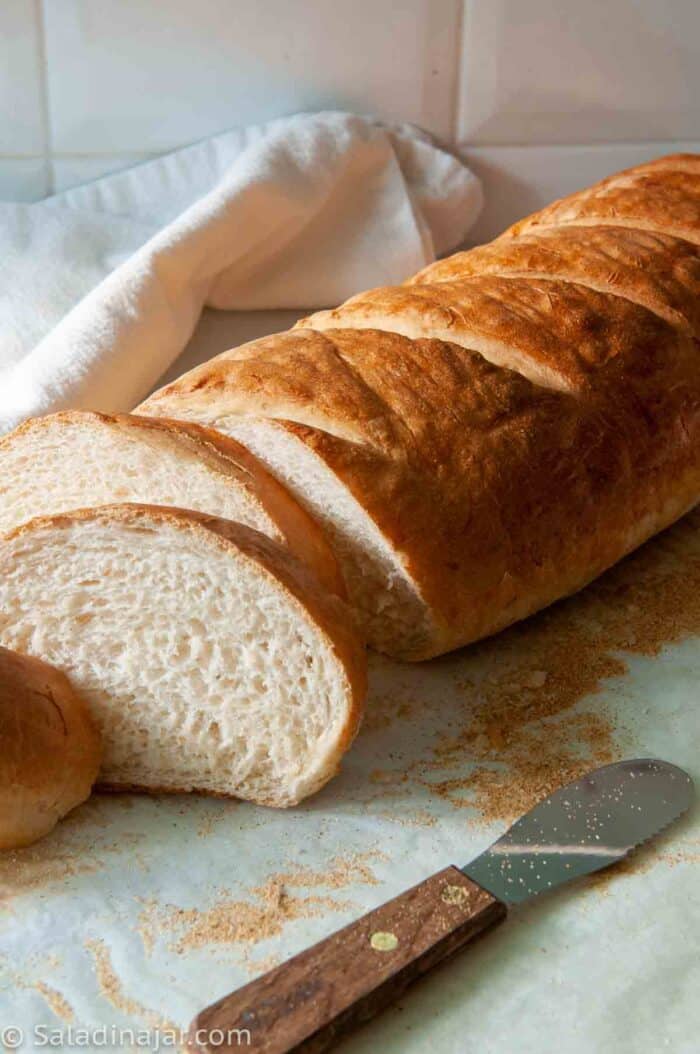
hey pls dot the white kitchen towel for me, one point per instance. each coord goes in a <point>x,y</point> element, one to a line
<point>101,286</point>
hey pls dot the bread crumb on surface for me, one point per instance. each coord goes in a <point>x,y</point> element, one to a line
<point>80,844</point>
<point>57,1003</point>
<point>271,906</point>
<point>643,859</point>
<point>112,989</point>
<point>532,717</point>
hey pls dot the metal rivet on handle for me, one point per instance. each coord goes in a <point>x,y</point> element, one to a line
<point>384,942</point>
<point>455,895</point>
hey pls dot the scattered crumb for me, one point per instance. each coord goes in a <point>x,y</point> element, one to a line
<point>246,922</point>
<point>58,1003</point>
<point>532,716</point>
<point>217,812</point>
<point>111,987</point>
<point>527,735</point>
<point>387,776</point>
<point>644,859</point>
<point>388,708</point>
<point>76,846</point>
<point>343,871</point>
<point>235,922</point>
<point>207,824</point>
<point>256,967</point>
<point>414,818</point>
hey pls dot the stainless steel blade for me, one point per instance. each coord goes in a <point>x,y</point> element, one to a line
<point>583,827</point>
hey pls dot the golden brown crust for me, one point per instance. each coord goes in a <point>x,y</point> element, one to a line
<point>328,613</point>
<point>502,489</point>
<point>49,749</point>
<point>228,459</point>
<point>556,333</point>
<point>654,270</point>
<point>662,196</point>
<point>499,495</point>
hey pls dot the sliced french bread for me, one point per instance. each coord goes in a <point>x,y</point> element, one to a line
<point>494,433</point>
<point>76,459</point>
<point>210,657</point>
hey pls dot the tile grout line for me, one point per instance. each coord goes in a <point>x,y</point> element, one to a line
<point>596,144</point>
<point>457,89</point>
<point>599,144</point>
<point>99,155</point>
<point>47,138</point>
<point>475,145</point>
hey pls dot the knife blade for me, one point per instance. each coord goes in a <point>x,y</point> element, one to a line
<point>305,1004</point>
<point>582,827</point>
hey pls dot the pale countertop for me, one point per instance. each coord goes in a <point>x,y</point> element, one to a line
<point>136,912</point>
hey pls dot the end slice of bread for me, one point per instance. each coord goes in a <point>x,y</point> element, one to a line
<point>210,657</point>
<point>49,749</point>
<point>76,459</point>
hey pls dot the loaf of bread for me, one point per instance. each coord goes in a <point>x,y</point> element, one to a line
<point>75,459</point>
<point>210,657</point>
<point>49,749</point>
<point>499,430</point>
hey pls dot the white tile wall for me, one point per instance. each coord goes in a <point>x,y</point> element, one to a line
<point>22,124</point>
<point>541,97</point>
<point>522,179</point>
<point>160,74</point>
<point>538,71</point>
<point>23,178</point>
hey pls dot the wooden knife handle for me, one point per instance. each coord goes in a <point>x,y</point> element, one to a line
<point>322,993</point>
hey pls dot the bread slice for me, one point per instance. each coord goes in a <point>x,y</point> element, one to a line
<point>295,402</point>
<point>76,459</point>
<point>210,657</point>
<point>50,749</point>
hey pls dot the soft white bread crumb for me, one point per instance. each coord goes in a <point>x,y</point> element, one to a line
<point>49,749</point>
<point>210,657</point>
<point>389,607</point>
<point>75,459</point>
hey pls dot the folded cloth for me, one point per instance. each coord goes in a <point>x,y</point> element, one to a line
<point>101,286</point>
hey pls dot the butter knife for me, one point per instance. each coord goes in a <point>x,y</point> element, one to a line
<point>305,1004</point>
